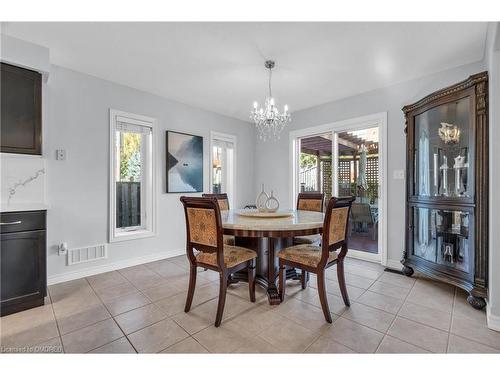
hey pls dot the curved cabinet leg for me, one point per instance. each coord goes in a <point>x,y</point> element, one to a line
<point>477,302</point>
<point>408,271</point>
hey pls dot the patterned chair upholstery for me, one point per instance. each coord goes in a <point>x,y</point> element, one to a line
<point>223,201</point>
<point>309,202</point>
<point>205,248</point>
<point>316,259</point>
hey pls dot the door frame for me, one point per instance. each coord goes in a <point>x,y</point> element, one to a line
<point>374,120</point>
<point>231,138</point>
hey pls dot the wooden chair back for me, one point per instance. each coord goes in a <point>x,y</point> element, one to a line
<point>203,227</point>
<point>310,201</point>
<point>335,227</point>
<point>222,199</point>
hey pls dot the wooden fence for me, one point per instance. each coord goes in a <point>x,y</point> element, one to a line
<point>128,204</point>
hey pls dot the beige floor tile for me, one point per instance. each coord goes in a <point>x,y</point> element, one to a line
<point>288,336</point>
<point>392,345</point>
<point>423,336</point>
<point>256,345</point>
<point>363,263</point>
<point>106,280</point>
<point>324,345</point>
<point>432,294</point>
<point>463,309</point>
<point>157,337</point>
<point>120,346</point>
<point>254,321</point>
<point>142,277</point>
<point>458,344</point>
<point>94,336</point>
<point>397,279</point>
<point>167,268</point>
<point>28,328</point>
<point>68,304</point>
<point>310,295</point>
<point>305,314</point>
<point>333,287</point>
<point>180,260</point>
<point>113,292</point>
<point>160,291</point>
<point>353,335</point>
<point>363,271</point>
<point>208,274</point>
<point>175,304</point>
<point>475,331</point>
<point>369,316</point>
<point>141,317</point>
<point>351,279</point>
<point>389,290</point>
<point>186,346</point>
<point>426,315</point>
<point>380,301</point>
<point>73,287</point>
<point>221,339</point>
<point>88,315</point>
<point>198,318</point>
<point>181,283</point>
<point>126,303</point>
<point>52,346</point>
<point>241,290</point>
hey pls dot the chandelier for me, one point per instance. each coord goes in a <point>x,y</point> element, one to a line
<point>268,119</point>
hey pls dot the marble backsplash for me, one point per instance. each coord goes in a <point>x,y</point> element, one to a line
<point>22,180</point>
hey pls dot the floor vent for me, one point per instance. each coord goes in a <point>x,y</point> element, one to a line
<point>87,254</point>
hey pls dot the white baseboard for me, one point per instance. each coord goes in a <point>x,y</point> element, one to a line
<point>394,264</point>
<point>492,320</point>
<point>89,271</point>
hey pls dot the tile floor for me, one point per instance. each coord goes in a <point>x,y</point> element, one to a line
<point>140,309</point>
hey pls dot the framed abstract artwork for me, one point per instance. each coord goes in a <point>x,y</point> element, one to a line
<point>184,163</point>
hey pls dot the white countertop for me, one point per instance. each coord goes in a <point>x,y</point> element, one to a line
<point>17,207</point>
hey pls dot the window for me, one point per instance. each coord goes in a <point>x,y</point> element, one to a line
<point>132,177</point>
<point>222,172</point>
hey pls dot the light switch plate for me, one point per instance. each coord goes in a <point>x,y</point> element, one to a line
<point>398,174</point>
<point>60,154</point>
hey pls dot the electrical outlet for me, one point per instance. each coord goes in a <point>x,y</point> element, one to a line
<point>60,154</point>
<point>398,174</point>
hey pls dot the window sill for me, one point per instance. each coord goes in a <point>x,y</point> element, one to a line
<point>132,235</point>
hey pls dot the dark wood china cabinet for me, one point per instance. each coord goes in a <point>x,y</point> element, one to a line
<point>447,187</point>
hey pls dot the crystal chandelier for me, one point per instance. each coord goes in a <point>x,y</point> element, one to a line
<point>268,119</point>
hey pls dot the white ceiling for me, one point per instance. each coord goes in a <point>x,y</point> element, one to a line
<point>220,66</point>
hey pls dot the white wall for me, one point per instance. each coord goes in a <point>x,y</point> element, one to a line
<point>78,121</point>
<point>493,62</point>
<point>272,158</point>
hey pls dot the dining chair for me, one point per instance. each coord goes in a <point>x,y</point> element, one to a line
<point>317,259</point>
<point>204,235</point>
<point>223,202</point>
<point>309,202</point>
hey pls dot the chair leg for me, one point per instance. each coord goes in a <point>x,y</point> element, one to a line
<point>322,295</point>
<point>304,279</point>
<point>341,279</point>
<point>192,284</point>
<point>222,297</point>
<point>282,281</point>
<point>251,280</point>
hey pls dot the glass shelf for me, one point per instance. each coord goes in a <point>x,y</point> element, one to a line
<point>442,237</point>
<point>442,151</point>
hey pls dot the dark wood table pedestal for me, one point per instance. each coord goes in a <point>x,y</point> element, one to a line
<point>267,263</point>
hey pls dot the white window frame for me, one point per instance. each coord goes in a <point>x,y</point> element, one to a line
<point>377,119</point>
<point>226,138</point>
<point>116,116</point>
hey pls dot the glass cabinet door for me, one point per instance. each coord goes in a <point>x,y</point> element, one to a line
<point>444,151</point>
<point>443,237</point>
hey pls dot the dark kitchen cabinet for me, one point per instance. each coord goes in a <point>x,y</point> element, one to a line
<point>21,110</point>
<point>23,261</point>
<point>447,187</point>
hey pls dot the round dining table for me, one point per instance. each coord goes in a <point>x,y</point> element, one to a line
<point>267,236</point>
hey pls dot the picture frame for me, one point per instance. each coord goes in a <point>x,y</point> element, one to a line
<point>184,162</point>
